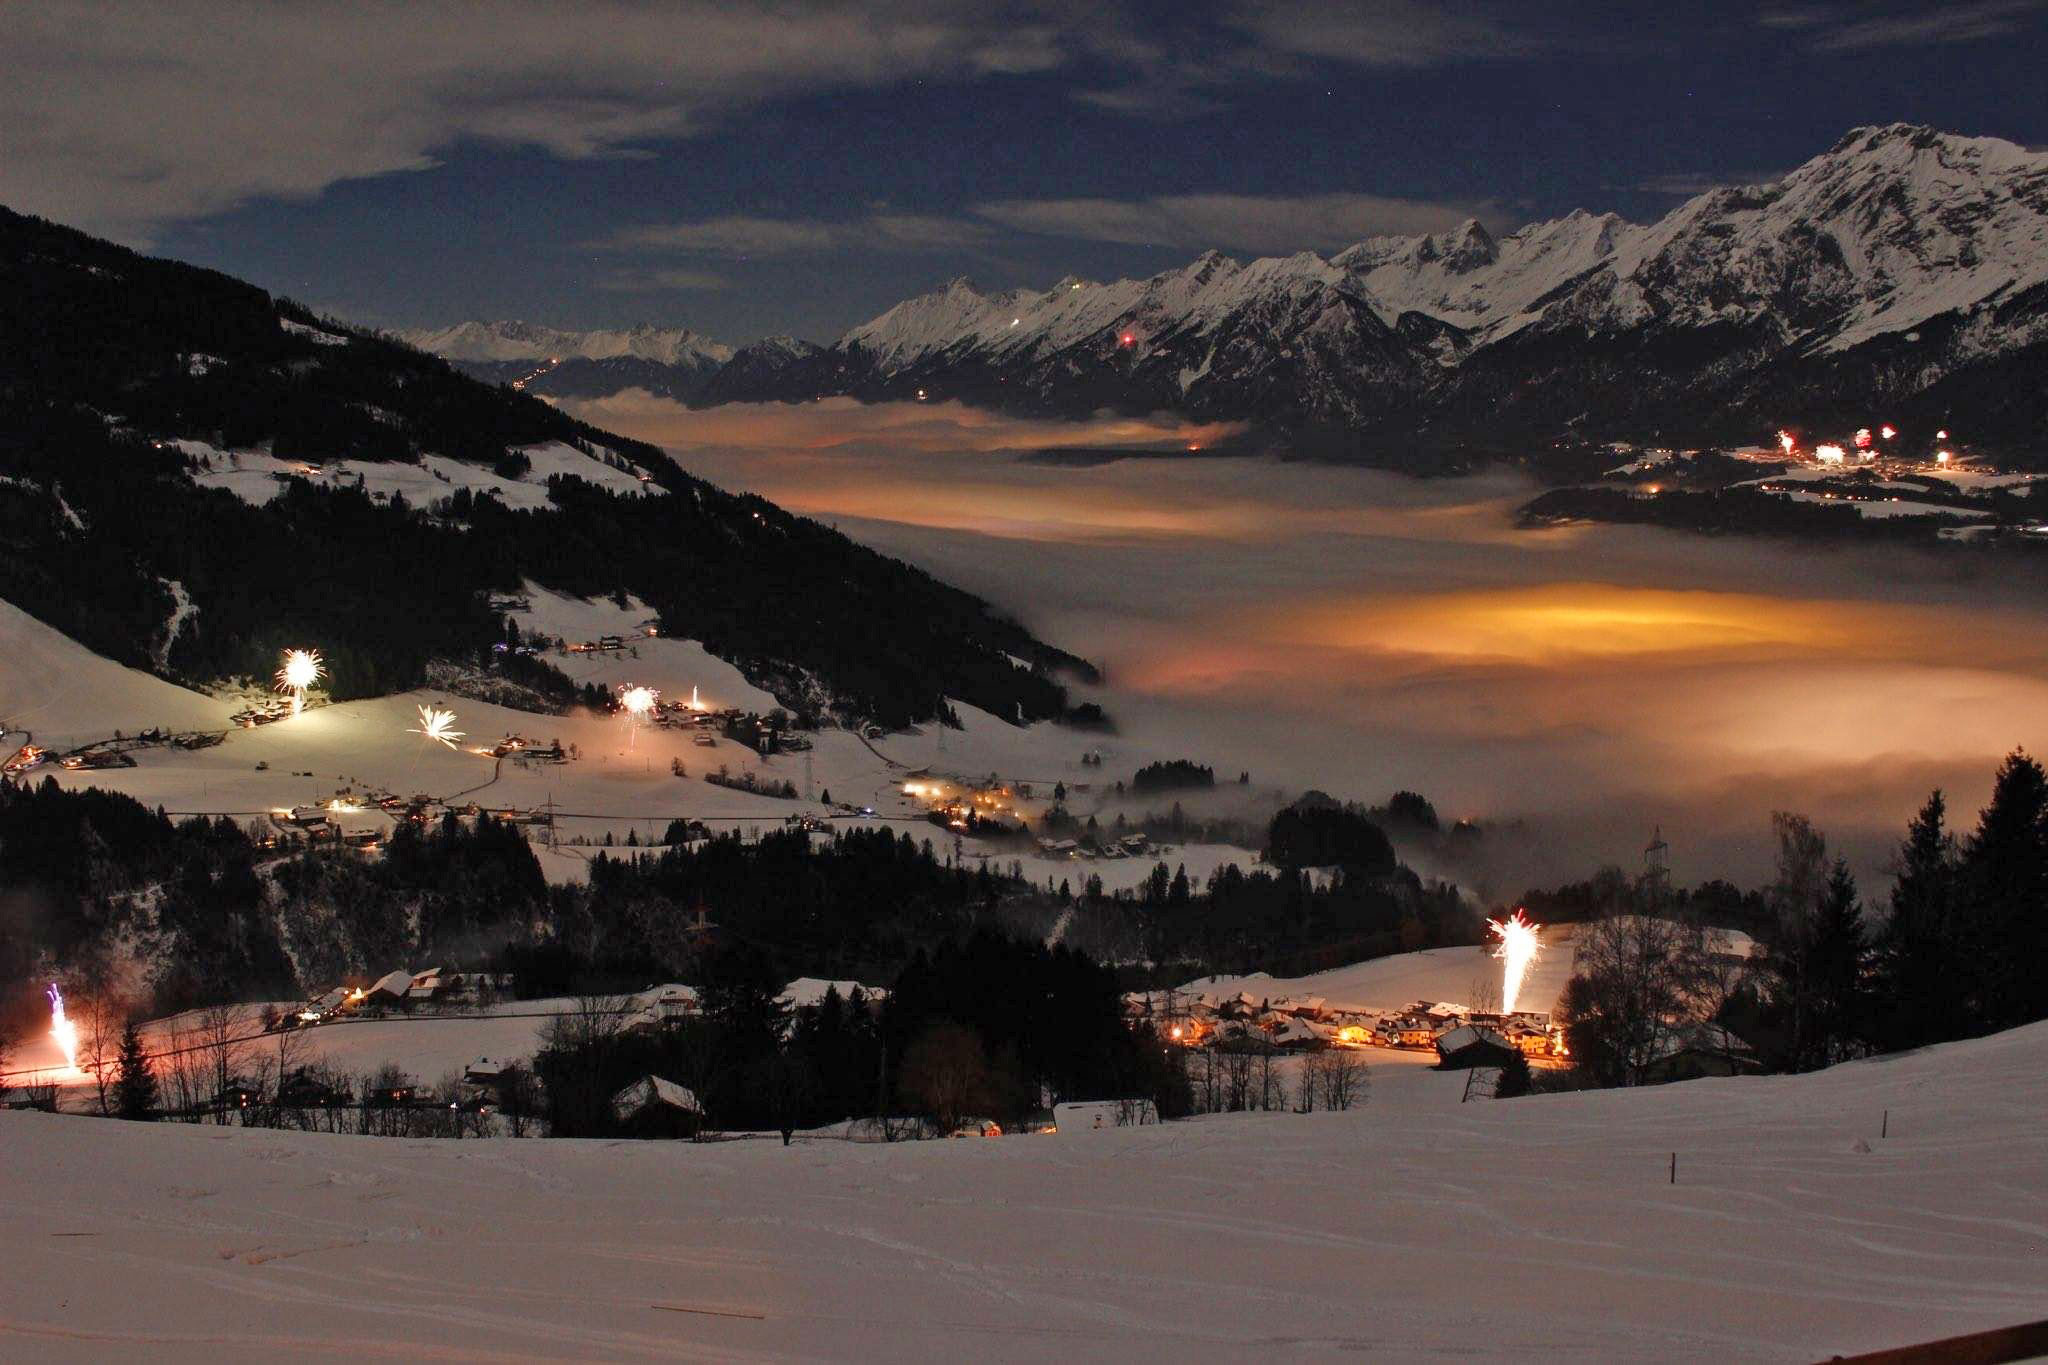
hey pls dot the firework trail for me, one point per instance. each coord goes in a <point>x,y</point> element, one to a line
<point>1520,943</point>
<point>62,1029</point>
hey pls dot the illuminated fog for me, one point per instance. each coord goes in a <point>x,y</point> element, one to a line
<point>1362,632</point>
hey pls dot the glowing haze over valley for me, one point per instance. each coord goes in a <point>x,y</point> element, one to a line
<point>1361,631</point>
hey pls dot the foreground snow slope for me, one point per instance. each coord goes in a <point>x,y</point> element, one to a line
<point>1413,1227</point>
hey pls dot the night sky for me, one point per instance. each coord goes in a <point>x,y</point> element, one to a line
<point>745,169</point>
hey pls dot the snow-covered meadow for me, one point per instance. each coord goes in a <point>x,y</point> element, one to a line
<point>623,784</point>
<point>1416,1226</point>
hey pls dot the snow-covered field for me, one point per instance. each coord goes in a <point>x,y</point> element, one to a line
<point>1457,976</point>
<point>623,784</point>
<point>1387,983</point>
<point>257,477</point>
<point>1414,1227</point>
<point>427,1046</point>
<point>1889,507</point>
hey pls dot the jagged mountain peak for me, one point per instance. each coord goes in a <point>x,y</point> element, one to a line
<point>1894,228</point>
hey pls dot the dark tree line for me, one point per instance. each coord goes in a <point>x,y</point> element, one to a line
<point>1961,953</point>
<point>981,1026</point>
<point>1965,949</point>
<point>1177,774</point>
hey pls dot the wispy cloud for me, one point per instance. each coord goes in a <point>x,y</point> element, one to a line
<point>1699,182</point>
<point>743,235</point>
<point>1385,33</point>
<point>1174,75</point>
<point>1263,223</point>
<point>1389,33</point>
<point>1807,16</point>
<point>1858,28</point>
<point>1274,224</point>
<point>125,119</point>
<point>661,280</point>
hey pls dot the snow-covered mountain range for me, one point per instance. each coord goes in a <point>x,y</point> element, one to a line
<point>494,341</point>
<point>672,361</point>
<point>1904,267</point>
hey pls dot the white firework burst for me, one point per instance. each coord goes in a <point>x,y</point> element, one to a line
<point>438,725</point>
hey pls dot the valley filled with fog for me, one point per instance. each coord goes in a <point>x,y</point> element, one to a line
<point>1361,632</point>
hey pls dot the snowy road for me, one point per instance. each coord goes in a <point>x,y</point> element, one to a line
<point>1414,1227</point>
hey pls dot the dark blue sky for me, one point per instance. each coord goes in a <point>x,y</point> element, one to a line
<point>744,171</point>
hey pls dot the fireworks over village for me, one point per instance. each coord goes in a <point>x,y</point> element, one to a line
<point>437,724</point>
<point>1520,944</point>
<point>298,670</point>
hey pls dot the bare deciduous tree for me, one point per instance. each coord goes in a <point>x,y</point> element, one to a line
<point>945,1073</point>
<point>222,1030</point>
<point>99,1046</point>
<point>184,1071</point>
<point>1640,981</point>
<point>1340,1076</point>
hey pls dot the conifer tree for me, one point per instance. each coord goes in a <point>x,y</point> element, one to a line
<point>135,1095</point>
<point>1919,986</point>
<point>2004,887</point>
<point>1839,960</point>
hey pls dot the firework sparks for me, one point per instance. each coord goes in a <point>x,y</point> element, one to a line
<point>1520,943</point>
<point>298,670</point>
<point>638,703</point>
<point>438,725</point>
<point>62,1029</point>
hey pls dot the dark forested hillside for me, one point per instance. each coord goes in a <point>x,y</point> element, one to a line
<point>104,354</point>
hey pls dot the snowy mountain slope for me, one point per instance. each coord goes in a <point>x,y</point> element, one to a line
<point>1413,1227</point>
<point>65,695</point>
<point>755,366</point>
<point>127,379</point>
<point>259,478</point>
<point>1892,268</point>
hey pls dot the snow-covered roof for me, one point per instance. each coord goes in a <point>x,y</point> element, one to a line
<point>652,1090</point>
<point>392,983</point>
<point>808,991</point>
<point>1708,1038</point>
<point>1466,1035</point>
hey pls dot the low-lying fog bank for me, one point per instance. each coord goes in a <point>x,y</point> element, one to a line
<point>1361,632</point>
